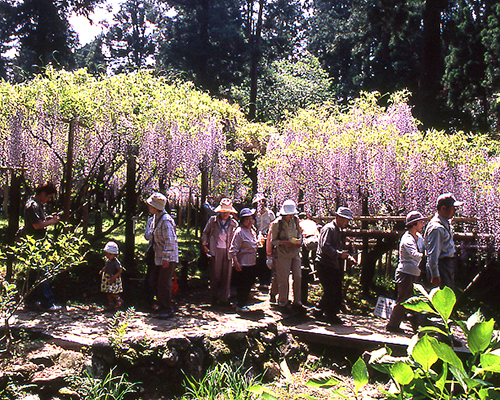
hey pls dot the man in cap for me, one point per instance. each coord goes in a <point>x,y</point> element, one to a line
<point>287,238</point>
<point>162,234</point>
<point>330,258</point>
<point>440,248</point>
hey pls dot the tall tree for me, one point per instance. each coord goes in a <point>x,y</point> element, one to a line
<point>131,39</point>
<point>204,40</point>
<point>366,45</point>
<point>91,56</point>
<point>429,109</point>
<point>41,32</point>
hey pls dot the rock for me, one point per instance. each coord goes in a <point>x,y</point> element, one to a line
<point>69,359</point>
<point>21,373</point>
<point>67,393</point>
<point>170,357</point>
<point>272,371</point>
<point>267,337</point>
<point>46,356</point>
<point>217,349</point>
<point>51,379</point>
<point>101,348</point>
<point>181,344</point>
<point>4,380</point>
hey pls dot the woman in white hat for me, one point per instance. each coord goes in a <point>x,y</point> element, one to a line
<point>411,251</point>
<point>162,234</point>
<point>215,242</point>
<point>286,236</point>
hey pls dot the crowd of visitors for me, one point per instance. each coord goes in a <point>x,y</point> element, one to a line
<point>255,244</point>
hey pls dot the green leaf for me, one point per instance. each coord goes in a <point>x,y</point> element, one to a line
<point>460,377</point>
<point>402,373</point>
<point>359,374</point>
<point>446,354</point>
<point>490,363</point>
<point>424,354</point>
<point>444,300</point>
<point>324,383</point>
<point>489,393</point>
<point>441,381</point>
<point>418,305</point>
<point>480,336</point>
<point>425,329</point>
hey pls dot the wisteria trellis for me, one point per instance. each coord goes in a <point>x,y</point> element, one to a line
<point>330,156</point>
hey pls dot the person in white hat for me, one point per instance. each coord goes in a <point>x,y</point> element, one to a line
<point>162,234</point>
<point>411,251</point>
<point>111,281</point>
<point>330,257</point>
<point>286,236</point>
<point>215,243</point>
<point>439,245</point>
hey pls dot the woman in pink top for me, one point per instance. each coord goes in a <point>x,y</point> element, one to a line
<point>243,252</point>
<point>215,243</point>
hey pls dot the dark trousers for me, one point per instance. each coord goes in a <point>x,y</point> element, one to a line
<point>149,259</point>
<point>43,293</point>
<point>261,270</point>
<point>243,281</point>
<point>331,279</point>
<point>161,283</point>
<point>404,284</point>
<point>308,257</point>
<point>446,268</point>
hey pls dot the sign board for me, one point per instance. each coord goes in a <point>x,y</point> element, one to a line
<point>384,306</point>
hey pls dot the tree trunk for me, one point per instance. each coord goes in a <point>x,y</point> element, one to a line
<point>99,199</point>
<point>130,210</point>
<point>68,170</point>
<point>428,109</point>
<point>14,213</point>
<point>255,56</point>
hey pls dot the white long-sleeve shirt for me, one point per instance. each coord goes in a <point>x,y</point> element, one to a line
<point>411,251</point>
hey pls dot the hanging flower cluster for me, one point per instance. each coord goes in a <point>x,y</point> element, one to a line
<point>330,157</point>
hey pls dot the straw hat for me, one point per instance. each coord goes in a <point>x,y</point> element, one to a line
<point>225,205</point>
<point>258,197</point>
<point>157,200</point>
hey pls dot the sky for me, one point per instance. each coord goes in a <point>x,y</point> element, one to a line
<point>88,31</point>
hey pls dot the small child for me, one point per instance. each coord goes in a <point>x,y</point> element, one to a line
<point>111,282</point>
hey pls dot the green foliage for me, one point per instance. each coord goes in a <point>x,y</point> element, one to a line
<point>227,381</point>
<point>288,86</point>
<point>46,257</point>
<point>420,375</point>
<point>112,387</point>
<point>49,255</point>
<point>117,327</point>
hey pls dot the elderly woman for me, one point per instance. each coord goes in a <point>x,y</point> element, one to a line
<point>286,236</point>
<point>216,241</point>
<point>411,251</point>
<point>162,235</point>
<point>243,252</point>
